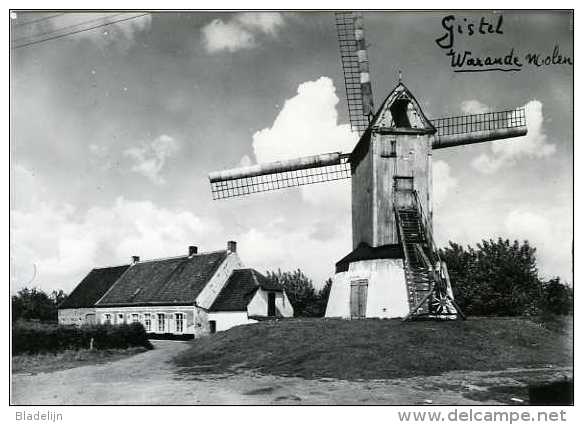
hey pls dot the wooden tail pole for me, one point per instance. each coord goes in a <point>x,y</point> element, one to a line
<point>420,303</point>
<point>457,307</point>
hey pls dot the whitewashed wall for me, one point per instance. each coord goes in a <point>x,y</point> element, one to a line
<point>387,291</point>
<point>190,323</point>
<point>227,319</point>
<point>76,316</point>
<point>214,286</point>
<point>258,304</point>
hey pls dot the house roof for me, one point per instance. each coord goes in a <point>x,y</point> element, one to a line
<point>365,252</point>
<point>240,288</point>
<point>177,280</point>
<point>93,287</point>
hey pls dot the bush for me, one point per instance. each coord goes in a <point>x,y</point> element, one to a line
<point>32,338</point>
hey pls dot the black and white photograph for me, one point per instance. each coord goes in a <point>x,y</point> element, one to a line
<point>292,207</point>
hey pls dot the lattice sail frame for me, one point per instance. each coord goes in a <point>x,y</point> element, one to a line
<point>355,65</point>
<point>466,129</point>
<point>279,175</point>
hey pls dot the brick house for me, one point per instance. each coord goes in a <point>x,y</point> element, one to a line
<point>187,296</point>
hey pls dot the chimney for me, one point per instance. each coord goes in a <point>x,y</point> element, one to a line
<point>192,250</point>
<point>232,246</point>
<point>135,259</point>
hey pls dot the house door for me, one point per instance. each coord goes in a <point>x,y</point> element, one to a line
<point>212,326</point>
<point>271,304</point>
<point>358,292</point>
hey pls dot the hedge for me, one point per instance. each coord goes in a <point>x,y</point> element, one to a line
<point>42,338</point>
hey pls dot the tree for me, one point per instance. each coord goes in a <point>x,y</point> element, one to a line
<point>299,289</point>
<point>557,298</point>
<point>306,301</point>
<point>324,294</point>
<point>496,278</point>
<point>35,304</point>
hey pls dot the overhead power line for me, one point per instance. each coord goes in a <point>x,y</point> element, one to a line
<point>75,32</point>
<point>31,37</point>
<point>34,21</point>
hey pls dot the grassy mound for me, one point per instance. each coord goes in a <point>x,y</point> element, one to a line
<point>377,349</point>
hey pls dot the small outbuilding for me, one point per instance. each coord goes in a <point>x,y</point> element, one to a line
<point>247,297</point>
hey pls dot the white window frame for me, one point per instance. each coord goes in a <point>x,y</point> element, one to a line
<point>135,318</point>
<point>107,318</point>
<point>120,318</point>
<point>163,322</point>
<point>148,322</point>
<point>182,316</point>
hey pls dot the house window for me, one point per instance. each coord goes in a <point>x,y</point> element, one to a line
<point>120,318</point>
<point>161,320</point>
<point>107,319</point>
<point>135,318</point>
<point>179,322</point>
<point>147,322</point>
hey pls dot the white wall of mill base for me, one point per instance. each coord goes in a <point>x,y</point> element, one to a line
<point>386,293</point>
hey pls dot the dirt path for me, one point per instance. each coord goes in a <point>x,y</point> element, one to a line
<point>151,378</point>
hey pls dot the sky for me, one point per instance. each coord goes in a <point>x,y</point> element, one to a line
<point>114,131</point>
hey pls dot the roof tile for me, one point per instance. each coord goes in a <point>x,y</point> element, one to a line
<point>176,280</point>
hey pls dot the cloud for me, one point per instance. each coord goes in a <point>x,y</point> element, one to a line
<point>469,219</point>
<point>241,31</point>
<point>100,157</point>
<point>122,34</point>
<point>443,182</point>
<point>508,152</point>
<point>150,158</point>
<point>552,239</point>
<point>26,187</point>
<point>273,247</point>
<point>64,245</point>
<point>308,125</point>
<point>474,107</point>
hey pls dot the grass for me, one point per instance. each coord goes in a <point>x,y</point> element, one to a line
<point>50,362</point>
<point>378,349</point>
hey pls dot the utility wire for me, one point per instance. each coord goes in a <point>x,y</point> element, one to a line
<point>75,32</point>
<point>34,21</point>
<point>54,31</point>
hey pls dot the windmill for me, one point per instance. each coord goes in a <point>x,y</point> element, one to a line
<point>394,269</point>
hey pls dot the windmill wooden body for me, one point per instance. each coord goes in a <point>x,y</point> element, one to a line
<point>394,269</point>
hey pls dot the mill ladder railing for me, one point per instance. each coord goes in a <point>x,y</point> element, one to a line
<point>428,286</point>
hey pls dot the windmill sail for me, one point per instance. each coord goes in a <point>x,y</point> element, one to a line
<point>350,30</point>
<point>477,128</point>
<point>279,175</point>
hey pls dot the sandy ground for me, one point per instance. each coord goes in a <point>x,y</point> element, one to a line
<point>151,378</point>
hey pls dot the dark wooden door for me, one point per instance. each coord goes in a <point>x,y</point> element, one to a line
<point>212,326</point>
<point>271,304</point>
<point>358,294</point>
